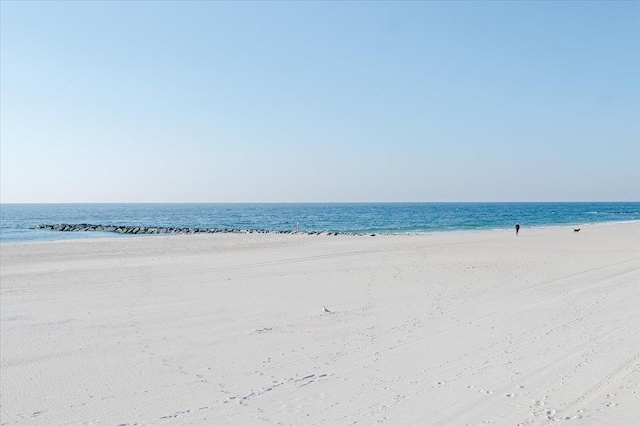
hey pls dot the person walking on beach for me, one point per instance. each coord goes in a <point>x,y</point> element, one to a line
<point>517,228</point>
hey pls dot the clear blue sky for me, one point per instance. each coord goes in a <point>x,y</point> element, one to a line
<point>299,101</point>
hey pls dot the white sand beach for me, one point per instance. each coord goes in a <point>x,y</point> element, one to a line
<point>442,329</point>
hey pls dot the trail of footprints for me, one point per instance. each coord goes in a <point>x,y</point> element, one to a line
<point>243,399</point>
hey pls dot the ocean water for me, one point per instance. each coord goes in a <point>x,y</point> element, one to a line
<point>18,220</point>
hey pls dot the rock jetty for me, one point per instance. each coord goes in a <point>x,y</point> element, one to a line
<point>155,230</point>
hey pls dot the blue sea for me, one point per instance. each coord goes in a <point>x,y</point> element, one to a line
<point>18,220</point>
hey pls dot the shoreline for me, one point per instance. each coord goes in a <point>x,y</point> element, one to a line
<point>309,233</point>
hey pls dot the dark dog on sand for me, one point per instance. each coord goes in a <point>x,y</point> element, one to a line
<point>576,229</point>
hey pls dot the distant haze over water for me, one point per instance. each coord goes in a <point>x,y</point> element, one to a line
<point>18,220</point>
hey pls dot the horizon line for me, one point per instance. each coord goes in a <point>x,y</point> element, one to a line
<point>317,202</point>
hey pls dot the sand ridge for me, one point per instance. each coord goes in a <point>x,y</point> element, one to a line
<point>461,328</point>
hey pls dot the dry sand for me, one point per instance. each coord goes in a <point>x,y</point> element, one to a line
<point>445,329</point>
